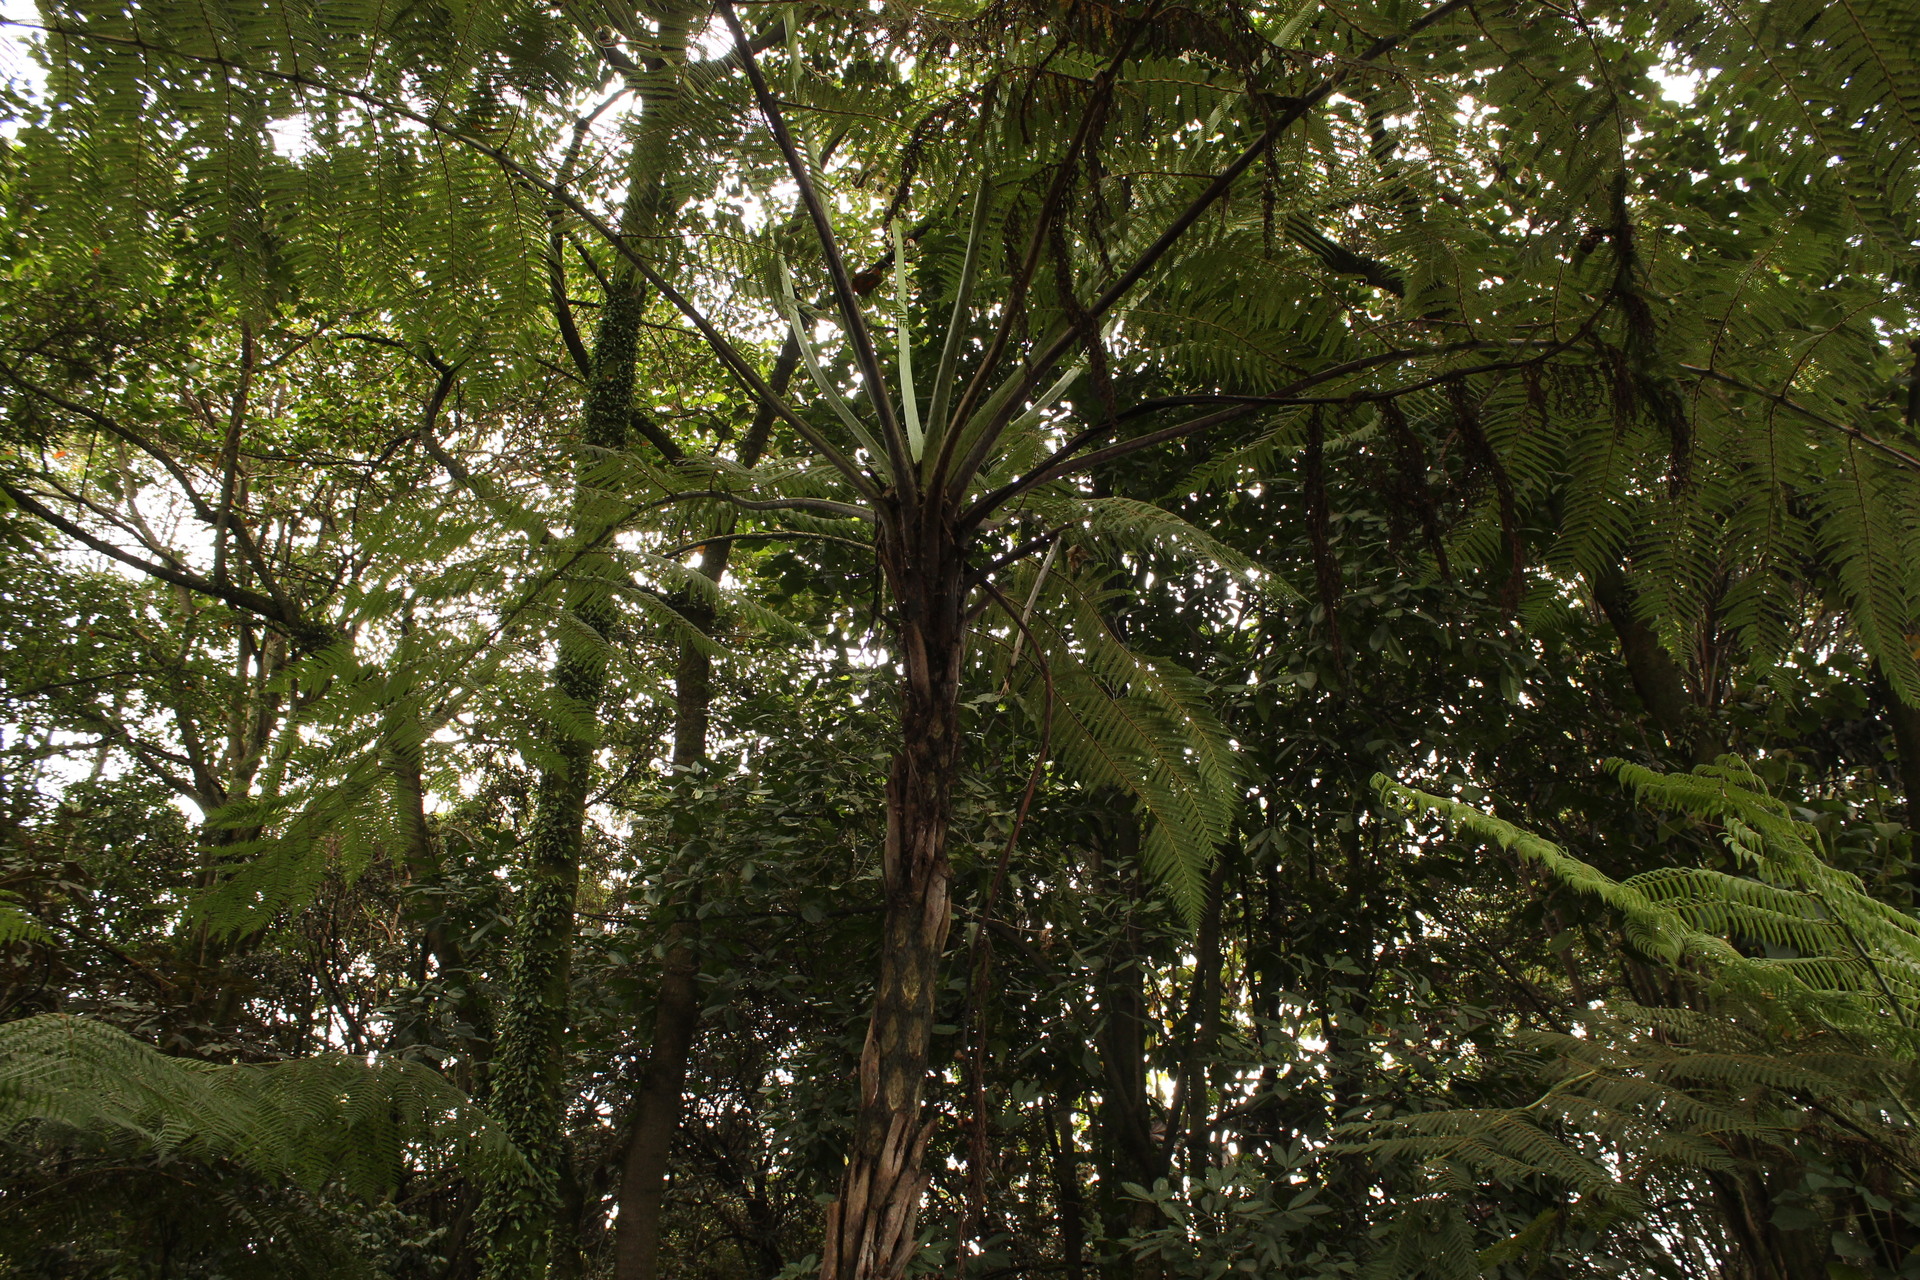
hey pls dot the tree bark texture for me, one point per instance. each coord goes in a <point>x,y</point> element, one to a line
<point>870,1228</point>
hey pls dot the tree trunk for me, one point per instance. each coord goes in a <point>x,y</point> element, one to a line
<point>1128,1149</point>
<point>1657,678</point>
<point>1904,719</point>
<point>870,1228</point>
<point>1206,1021</point>
<point>529,1063</point>
<point>426,909</point>
<point>656,1115</point>
<point>1067,1193</point>
<point>656,1104</point>
<point>529,1066</point>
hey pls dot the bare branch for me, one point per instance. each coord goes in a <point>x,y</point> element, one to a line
<point>201,509</point>
<point>275,611</point>
<point>230,454</point>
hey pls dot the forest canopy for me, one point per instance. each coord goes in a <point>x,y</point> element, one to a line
<point>1047,638</point>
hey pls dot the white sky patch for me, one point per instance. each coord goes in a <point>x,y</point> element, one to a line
<point>291,137</point>
<point>1678,86</point>
<point>714,40</point>
<point>17,64</point>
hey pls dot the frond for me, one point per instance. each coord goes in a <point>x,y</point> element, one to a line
<point>347,1123</point>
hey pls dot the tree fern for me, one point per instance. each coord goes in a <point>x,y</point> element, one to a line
<point>318,1122</point>
<point>1802,990</point>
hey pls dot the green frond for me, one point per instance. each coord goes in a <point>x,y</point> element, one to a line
<point>328,1121</point>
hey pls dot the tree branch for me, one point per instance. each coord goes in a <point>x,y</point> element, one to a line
<point>976,386</point>
<point>862,341</point>
<point>201,509</point>
<point>1073,334</point>
<point>308,634</point>
<point>730,356</point>
<point>1897,454</point>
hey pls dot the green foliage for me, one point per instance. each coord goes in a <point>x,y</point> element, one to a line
<point>1786,1026</point>
<point>318,1122</point>
<point>1778,924</point>
<point>380,385</point>
<point>128,1117</point>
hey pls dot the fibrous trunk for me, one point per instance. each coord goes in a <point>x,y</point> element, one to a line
<point>870,1228</point>
<point>1129,1153</point>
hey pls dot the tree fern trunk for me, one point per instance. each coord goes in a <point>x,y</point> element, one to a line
<point>870,1228</point>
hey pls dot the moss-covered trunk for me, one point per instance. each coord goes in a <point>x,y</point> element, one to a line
<point>529,1063</point>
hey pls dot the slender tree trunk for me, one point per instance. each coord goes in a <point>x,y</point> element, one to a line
<point>1904,719</point>
<point>1208,957</point>
<point>870,1228</point>
<point>529,1067</point>
<point>1128,1149</point>
<point>656,1114</point>
<point>656,1105</point>
<point>417,851</point>
<point>1067,1193</point>
<point>427,912</point>
<point>217,995</point>
<point>1657,678</point>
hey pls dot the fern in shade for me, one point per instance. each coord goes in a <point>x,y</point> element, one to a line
<point>1786,1017</point>
<point>267,1162</point>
